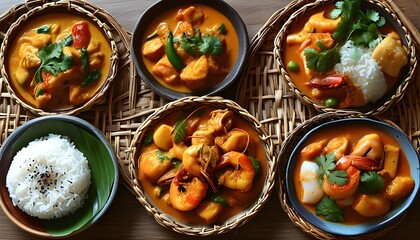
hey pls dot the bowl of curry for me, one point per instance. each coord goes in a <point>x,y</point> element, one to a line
<point>189,48</point>
<point>344,56</point>
<point>350,176</point>
<point>202,165</point>
<point>58,58</point>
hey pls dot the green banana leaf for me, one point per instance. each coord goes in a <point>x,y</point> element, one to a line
<point>103,173</point>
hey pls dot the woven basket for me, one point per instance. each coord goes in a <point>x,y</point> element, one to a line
<point>71,7</point>
<point>285,153</point>
<point>267,96</point>
<point>371,109</point>
<point>193,103</point>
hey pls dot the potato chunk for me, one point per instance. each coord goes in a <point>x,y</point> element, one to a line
<point>371,205</point>
<point>162,137</point>
<point>399,188</point>
<point>195,73</point>
<point>164,69</point>
<point>391,160</point>
<point>391,55</point>
<point>209,211</point>
<point>154,49</point>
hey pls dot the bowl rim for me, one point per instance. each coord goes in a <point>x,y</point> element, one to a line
<point>233,222</point>
<point>394,95</point>
<point>83,124</point>
<point>78,8</point>
<point>233,76</point>
<point>344,230</point>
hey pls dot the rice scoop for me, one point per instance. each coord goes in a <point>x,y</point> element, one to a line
<point>49,178</point>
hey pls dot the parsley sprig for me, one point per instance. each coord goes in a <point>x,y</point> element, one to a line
<point>327,166</point>
<point>356,25</point>
<point>53,60</point>
<point>199,44</point>
<point>321,61</point>
<point>371,182</point>
<point>329,208</point>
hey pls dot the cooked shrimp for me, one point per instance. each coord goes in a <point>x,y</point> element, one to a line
<point>152,167</point>
<point>186,191</point>
<point>221,120</point>
<point>369,146</point>
<point>347,190</point>
<point>242,175</point>
<point>200,159</point>
<point>337,146</point>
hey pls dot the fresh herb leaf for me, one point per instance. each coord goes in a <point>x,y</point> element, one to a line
<point>89,77</point>
<point>43,29</point>
<point>201,45</point>
<point>372,15</point>
<point>326,167</point>
<point>321,61</point>
<point>161,156</point>
<point>381,22</point>
<point>326,164</point>
<point>256,166</point>
<point>53,60</point>
<point>176,163</point>
<point>148,139</point>
<point>338,177</point>
<point>222,29</point>
<point>180,130</point>
<point>215,197</point>
<point>328,208</point>
<point>67,41</point>
<point>371,182</point>
<point>39,92</point>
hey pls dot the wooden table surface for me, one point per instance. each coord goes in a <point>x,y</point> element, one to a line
<point>127,219</point>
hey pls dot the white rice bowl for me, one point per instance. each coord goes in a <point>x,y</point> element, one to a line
<point>49,178</point>
<point>363,70</point>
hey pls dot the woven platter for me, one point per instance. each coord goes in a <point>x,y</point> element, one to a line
<point>184,104</point>
<point>261,91</point>
<point>285,116</point>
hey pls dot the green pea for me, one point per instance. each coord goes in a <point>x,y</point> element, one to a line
<point>331,102</point>
<point>293,66</point>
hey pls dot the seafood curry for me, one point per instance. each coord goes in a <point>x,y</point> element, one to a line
<point>343,56</point>
<point>58,60</point>
<point>202,168</point>
<point>352,174</point>
<point>190,49</point>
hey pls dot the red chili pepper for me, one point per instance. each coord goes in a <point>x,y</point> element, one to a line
<point>81,35</point>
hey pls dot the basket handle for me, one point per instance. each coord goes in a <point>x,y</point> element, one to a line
<point>413,30</point>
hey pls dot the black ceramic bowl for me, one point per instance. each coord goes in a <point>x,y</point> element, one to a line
<point>165,5</point>
<point>377,225</point>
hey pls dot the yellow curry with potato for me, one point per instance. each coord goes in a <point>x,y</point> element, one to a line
<point>190,49</point>
<point>352,174</point>
<point>202,166</point>
<point>58,61</point>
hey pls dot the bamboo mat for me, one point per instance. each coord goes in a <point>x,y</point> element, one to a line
<point>260,90</point>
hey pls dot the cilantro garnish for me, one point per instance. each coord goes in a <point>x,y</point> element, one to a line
<point>53,60</point>
<point>215,197</point>
<point>161,156</point>
<point>371,182</point>
<point>321,61</point>
<point>328,208</point>
<point>201,44</point>
<point>222,29</point>
<point>43,29</point>
<point>256,166</point>
<point>326,167</point>
<point>148,139</point>
<point>356,25</point>
<point>176,163</point>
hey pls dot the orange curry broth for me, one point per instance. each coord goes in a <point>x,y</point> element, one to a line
<point>66,21</point>
<point>212,18</point>
<point>300,79</point>
<point>237,199</point>
<point>353,134</point>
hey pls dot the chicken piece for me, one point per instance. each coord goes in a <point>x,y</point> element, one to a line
<point>191,15</point>
<point>40,40</point>
<point>164,70</point>
<point>162,31</point>
<point>391,55</point>
<point>29,56</point>
<point>153,49</point>
<point>184,27</point>
<point>399,188</point>
<point>338,146</point>
<point>318,23</point>
<point>195,73</point>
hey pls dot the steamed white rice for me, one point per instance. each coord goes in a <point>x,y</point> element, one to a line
<point>357,63</point>
<point>49,178</point>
